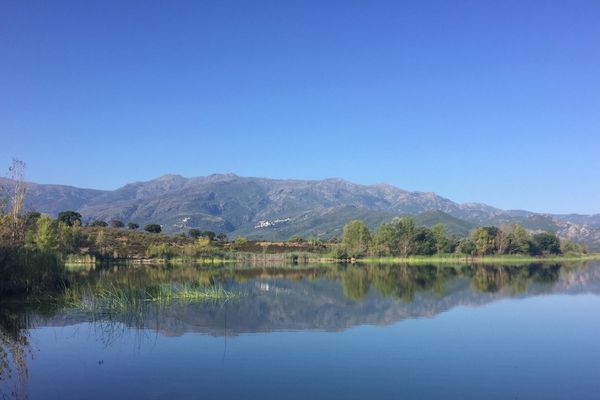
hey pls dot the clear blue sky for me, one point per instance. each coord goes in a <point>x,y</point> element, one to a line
<point>497,102</point>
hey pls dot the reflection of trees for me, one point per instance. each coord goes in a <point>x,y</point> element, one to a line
<point>396,281</point>
<point>356,282</point>
<point>491,279</point>
<point>405,281</point>
<point>13,352</point>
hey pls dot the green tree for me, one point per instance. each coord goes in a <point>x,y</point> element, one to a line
<point>221,237</point>
<point>239,242</point>
<point>296,239</point>
<point>115,223</point>
<point>31,218</point>
<point>519,240</point>
<point>485,240</point>
<point>466,247</point>
<point>208,234</point>
<point>356,238</point>
<point>424,242</point>
<point>384,241</point>
<point>194,233</point>
<point>153,228</point>
<point>546,243</point>
<point>568,247</point>
<point>98,224</point>
<point>69,217</point>
<point>69,237</point>
<point>46,236</point>
<point>440,237</point>
<point>405,231</point>
<point>132,225</point>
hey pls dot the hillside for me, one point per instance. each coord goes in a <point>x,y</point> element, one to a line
<point>277,209</point>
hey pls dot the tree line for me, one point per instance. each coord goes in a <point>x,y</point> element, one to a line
<point>403,238</point>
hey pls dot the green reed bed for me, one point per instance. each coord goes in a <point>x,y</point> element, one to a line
<point>117,299</point>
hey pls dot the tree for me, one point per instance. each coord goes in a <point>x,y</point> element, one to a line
<point>384,241</point>
<point>485,239</point>
<point>466,247</point>
<point>31,218</point>
<point>132,226</point>
<point>69,237</point>
<point>69,217</point>
<point>424,242</point>
<point>115,223</point>
<point>356,238</point>
<point>519,240</point>
<point>98,224</point>
<point>46,235</point>
<point>221,237</point>
<point>239,242</point>
<point>296,239</point>
<point>153,228</point>
<point>194,233</point>
<point>11,207</point>
<point>546,243</point>
<point>208,234</point>
<point>440,237</point>
<point>404,228</point>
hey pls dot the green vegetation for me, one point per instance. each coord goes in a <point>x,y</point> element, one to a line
<point>403,239</point>
<point>34,247</point>
<point>153,228</point>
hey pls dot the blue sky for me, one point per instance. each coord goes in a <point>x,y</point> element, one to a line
<point>496,102</point>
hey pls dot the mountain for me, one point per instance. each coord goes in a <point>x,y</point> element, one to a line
<point>453,225</point>
<point>277,208</point>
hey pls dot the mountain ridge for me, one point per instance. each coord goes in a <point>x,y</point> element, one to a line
<point>275,209</point>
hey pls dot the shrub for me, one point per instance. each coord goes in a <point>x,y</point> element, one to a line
<point>153,228</point>
<point>115,223</point>
<point>98,223</point>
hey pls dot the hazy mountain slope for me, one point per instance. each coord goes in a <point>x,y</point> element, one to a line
<point>276,208</point>
<point>453,225</point>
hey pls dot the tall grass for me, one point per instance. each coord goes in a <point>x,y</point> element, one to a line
<point>115,299</point>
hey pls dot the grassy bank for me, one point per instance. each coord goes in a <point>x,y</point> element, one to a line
<point>492,259</point>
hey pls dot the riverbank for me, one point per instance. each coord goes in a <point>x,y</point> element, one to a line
<point>318,258</point>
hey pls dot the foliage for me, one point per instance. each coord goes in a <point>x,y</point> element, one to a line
<point>153,228</point>
<point>240,241</point>
<point>546,243</point>
<point>296,239</point>
<point>133,226</point>
<point>519,240</point>
<point>163,251</point>
<point>98,224</point>
<point>356,238</point>
<point>69,217</point>
<point>466,247</point>
<point>194,233</point>
<point>440,238</point>
<point>115,223</point>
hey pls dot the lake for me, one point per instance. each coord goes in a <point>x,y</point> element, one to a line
<point>301,332</point>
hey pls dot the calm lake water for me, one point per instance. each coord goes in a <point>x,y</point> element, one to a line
<point>334,332</point>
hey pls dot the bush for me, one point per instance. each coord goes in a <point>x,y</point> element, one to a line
<point>153,228</point>
<point>98,224</point>
<point>296,239</point>
<point>340,253</point>
<point>116,223</point>
<point>163,251</point>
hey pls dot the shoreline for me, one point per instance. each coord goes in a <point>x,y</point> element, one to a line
<point>292,259</point>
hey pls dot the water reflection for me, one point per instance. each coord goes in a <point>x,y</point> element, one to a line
<point>328,298</point>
